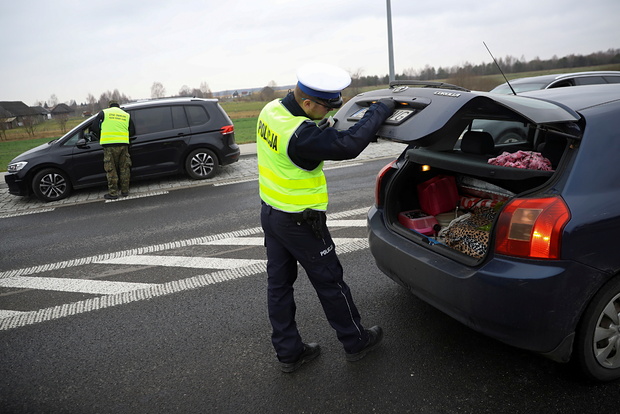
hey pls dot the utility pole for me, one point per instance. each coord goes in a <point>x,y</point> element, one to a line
<point>390,45</point>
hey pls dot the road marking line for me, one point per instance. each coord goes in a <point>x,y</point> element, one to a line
<point>183,261</point>
<point>238,241</point>
<point>156,248</point>
<point>7,313</point>
<point>351,246</point>
<point>335,167</point>
<point>237,181</point>
<point>133,252</point>
<point>95,287</point>
<point>107,301</point>
<point>260,241</point>
<point>346,223</point>
<point>25,213</point>
<point>131,197</point>
<point>15,319</point>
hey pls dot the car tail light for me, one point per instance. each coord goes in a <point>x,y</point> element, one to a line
<point>532,227</point>
<point>378,183</point>
<point>227,130</point>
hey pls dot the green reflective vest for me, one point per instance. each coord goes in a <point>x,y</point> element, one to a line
<point>115,127</point>
<point>282,184</point>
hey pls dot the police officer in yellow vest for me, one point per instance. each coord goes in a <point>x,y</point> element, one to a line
<point>291,149</point>
<point>114,127</point>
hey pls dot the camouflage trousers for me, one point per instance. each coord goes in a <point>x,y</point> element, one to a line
<point>117,165</point>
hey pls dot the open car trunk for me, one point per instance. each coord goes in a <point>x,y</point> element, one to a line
<point>452,199</point>
<point>469,154</point>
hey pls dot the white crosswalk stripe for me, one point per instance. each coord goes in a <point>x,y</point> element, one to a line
<point>7,313</point>
<point>96,287</point>
<point>237,241</point>
<point>114,293</point>
<point>184,261</point>
<point>259,241</point>
<point>346,223</point>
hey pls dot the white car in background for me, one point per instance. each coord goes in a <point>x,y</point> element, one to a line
<point>509,133</point>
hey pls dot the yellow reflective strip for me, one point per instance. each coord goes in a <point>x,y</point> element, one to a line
<point>299,199</point>
<point>114,134</point>
<point>311,182</point>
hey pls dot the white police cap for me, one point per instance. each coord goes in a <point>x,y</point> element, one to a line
<point>322,80</point>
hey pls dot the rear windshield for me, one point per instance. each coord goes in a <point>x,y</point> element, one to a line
<point>197,115</point>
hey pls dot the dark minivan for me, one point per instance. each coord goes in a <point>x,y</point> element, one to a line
<point>515,240</point>
<point>175,135</point>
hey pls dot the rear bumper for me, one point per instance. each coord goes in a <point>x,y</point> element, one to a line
<point>231,154</point>
<point>530,304</point>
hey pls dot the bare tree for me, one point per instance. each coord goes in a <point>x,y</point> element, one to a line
<point>91,102</point>
<point>355,87</point>
<point>206,91</point>
<point>62,120</point>
<point>53,101</point>
<point>185,91</point>
<point>106,97</point>
<point>158,90</point>
<point>30,123</point>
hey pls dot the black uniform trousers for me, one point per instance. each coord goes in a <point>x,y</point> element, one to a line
<point>289,242</point>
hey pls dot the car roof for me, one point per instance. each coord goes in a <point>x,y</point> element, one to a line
<point>559,76</point>
<point>165,101</point>
<point>545,80</point>
<point>586,96</point>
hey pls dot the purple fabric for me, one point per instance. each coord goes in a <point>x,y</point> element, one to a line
<point>522,159</point>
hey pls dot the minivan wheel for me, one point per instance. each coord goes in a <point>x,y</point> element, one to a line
<point>597,345</point>
<point>201,163</point>
<point>51,185</point>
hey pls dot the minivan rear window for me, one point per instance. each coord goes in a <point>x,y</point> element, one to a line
<point>196,115</point>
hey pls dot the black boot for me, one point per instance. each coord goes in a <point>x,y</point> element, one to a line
<point>310,352</point>
<point>375,336</point>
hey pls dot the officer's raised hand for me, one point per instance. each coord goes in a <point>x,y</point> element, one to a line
<point>390,103</point>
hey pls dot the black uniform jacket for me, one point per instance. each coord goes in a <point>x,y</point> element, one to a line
<point>310,144</point>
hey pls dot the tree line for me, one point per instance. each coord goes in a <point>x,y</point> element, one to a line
<point>509,64</point>
<point>454,74</point>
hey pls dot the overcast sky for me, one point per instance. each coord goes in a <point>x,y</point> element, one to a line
<point>72,48</point>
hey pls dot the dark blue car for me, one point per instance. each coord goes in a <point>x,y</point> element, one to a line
<point>515,240</point>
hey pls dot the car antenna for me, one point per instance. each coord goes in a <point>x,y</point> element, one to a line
<point>500,69</point>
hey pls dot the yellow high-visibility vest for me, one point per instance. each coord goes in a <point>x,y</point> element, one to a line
<point>115,127</point>
<point>282,184</point>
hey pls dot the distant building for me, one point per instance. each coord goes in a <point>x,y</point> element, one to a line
<point>42,113</point>
<point>61,110</point>
<point>13,113</point>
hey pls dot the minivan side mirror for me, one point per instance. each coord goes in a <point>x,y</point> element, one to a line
<point>82,143</point>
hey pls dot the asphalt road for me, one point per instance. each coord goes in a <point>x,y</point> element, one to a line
<point>184,326</point>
